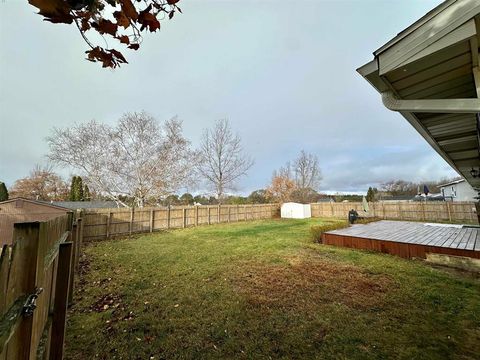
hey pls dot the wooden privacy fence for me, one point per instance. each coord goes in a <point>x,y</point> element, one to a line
<point>417,211</point>
<point>105,223</point>
<point>36,280</point>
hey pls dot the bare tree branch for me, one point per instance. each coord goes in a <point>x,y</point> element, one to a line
<point>222,161</point>
<point>138,158</point>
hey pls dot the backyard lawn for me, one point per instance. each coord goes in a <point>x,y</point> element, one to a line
<point>264,290</point>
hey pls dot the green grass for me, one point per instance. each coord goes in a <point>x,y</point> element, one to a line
<point>264,290</point>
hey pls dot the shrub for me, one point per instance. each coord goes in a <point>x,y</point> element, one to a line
<point>367,220</point>
<point>316,231</point>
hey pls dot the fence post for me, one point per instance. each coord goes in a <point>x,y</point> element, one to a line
<point>245,213</point>
<point>73,239</point>
<point>449,211</point>
<point>60,302</point>
<point>184,217</point>
<point>218,214</point>
<point>196,215</point>
<point>109,221</point>
<point>229,208</point>
<point>383,210</point>
<point>168,217</point>
<point>151,220</point>
<point>79,241</point>
<point>131,220</point>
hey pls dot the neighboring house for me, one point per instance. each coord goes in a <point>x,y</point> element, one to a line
<point>458,190</point>
<point>20,210</point>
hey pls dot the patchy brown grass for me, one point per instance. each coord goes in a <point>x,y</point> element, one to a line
<point>307,281</point>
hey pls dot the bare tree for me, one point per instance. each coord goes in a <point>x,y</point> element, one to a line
<point>307,171</point>
<point>138,158</point>
<point>41,184</point>
<point>222,160</point>
<point>297,181</point>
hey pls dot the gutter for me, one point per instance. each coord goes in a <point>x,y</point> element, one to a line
<point>462,106</point>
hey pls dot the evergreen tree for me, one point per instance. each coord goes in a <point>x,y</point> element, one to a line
<point>79,189</point>
<point>370,195</point>
<point>76,189</point>
<point>3,192</point>
<point>71,194</point>
<point>86,193</point>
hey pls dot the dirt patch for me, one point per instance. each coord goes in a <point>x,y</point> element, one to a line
<point>307,281</point>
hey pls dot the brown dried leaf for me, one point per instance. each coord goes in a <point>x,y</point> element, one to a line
<point>122,19</point>
<point>119,59</point>
<point>55,11</point>
<point>129,9</point>
<point>85,25</point>
<point>105,27</point>
<point>124,39</point>
<point>147,19</point>
<point>98,54</point>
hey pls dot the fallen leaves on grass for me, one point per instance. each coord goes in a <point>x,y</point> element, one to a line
<point>106,302</point>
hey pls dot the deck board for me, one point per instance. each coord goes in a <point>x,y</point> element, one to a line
<point>413,237</point>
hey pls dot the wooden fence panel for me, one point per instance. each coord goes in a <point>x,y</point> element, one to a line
<point>28,270</point>
<point>105,223</point>
<point>413,211</point>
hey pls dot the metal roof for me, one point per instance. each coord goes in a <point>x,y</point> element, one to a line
<point>452,183</point>
<point>429,73</point>
<point>74,205</point>
<point>36,202</point>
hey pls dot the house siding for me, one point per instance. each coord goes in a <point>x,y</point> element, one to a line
<point>461,191</point>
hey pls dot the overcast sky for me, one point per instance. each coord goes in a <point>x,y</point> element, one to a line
<point>283,72</point>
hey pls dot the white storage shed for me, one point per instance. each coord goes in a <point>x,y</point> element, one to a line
<point>293,210</point>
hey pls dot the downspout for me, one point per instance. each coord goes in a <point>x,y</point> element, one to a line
<point>465,106</point>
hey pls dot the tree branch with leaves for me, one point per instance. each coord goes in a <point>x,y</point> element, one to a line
<point>122,20</point>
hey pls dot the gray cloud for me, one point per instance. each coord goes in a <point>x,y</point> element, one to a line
<point>284,76</point>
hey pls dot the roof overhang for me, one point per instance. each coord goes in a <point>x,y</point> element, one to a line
<point>430,74</point>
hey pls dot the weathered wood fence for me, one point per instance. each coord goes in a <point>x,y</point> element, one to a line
<point>417,211</point>
<point>105,223</point>
<point>36,285</point>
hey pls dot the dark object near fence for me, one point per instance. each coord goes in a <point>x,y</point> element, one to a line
<point>352,216</point>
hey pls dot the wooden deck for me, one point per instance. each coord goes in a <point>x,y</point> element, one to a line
<point>409,239</point>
